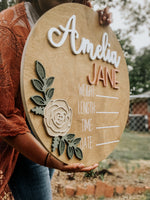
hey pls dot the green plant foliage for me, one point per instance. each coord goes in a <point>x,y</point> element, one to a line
<point>38,110</point>
<point>49,81</point>
<point>101,198</point>
<point>147,195</point>
<point>3,4</point>
<point>102,169</point>
<point>55,143</point>
<point>61,147</point>
<point>38,100</point>
<point>89,174</point>
<point>38,85</point>
<point>140,75</point>
<point>42,85</point>
<point>132,146</point>
<point>70,151</point>
<point>40,71</point>
<point>76,141</point>
<point>49,93</point>
<point>60,143</point>
<point>136,14</point>
<point>78,153</point>
<point>70,137</point>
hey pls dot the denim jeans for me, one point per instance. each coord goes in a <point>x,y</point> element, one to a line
<point>31,181</point>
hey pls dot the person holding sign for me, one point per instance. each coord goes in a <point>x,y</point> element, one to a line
<point>28,173</point>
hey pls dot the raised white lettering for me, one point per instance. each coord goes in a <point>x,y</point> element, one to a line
<point>102,52</point>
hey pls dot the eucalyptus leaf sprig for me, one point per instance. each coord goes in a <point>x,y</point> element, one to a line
<point>41,85</point>
<point>60,143</point>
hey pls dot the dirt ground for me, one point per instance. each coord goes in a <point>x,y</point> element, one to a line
<point>118,173</point>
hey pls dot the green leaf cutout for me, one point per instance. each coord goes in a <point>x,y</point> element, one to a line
<point>78,153</point>
<point>49,81</point>
<point>38,85</point>
<point>70,152</point>
<point>49,93</point>
<point>38,100</point>
<point>55,143</point>
<point>76,141</point>
<point>40,70</point>
<point>61,147</point>
<point>60,143</point>
<point>38,110</point>
<point>70,136</point>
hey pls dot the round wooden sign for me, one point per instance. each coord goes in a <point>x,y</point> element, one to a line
<point>75,85</point>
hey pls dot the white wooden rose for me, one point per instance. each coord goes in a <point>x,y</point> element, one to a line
<point>57,117</point>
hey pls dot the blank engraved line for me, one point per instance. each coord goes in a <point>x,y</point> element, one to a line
<point>107,127</point>
<point>109,97</point>
<point>107,143</point>
<point>107,112</point>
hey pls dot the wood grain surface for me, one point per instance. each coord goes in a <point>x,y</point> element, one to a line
<point>99,111</point>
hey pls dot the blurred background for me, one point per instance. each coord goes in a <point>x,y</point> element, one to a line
<point>131,22</point>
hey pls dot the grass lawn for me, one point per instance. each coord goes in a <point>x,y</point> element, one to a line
<point>126,169</point>
<point>132,146</point>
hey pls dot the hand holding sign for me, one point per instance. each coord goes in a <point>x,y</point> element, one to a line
<point>52,162</point>
<point>105,18</point>
<point>77,101</point>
